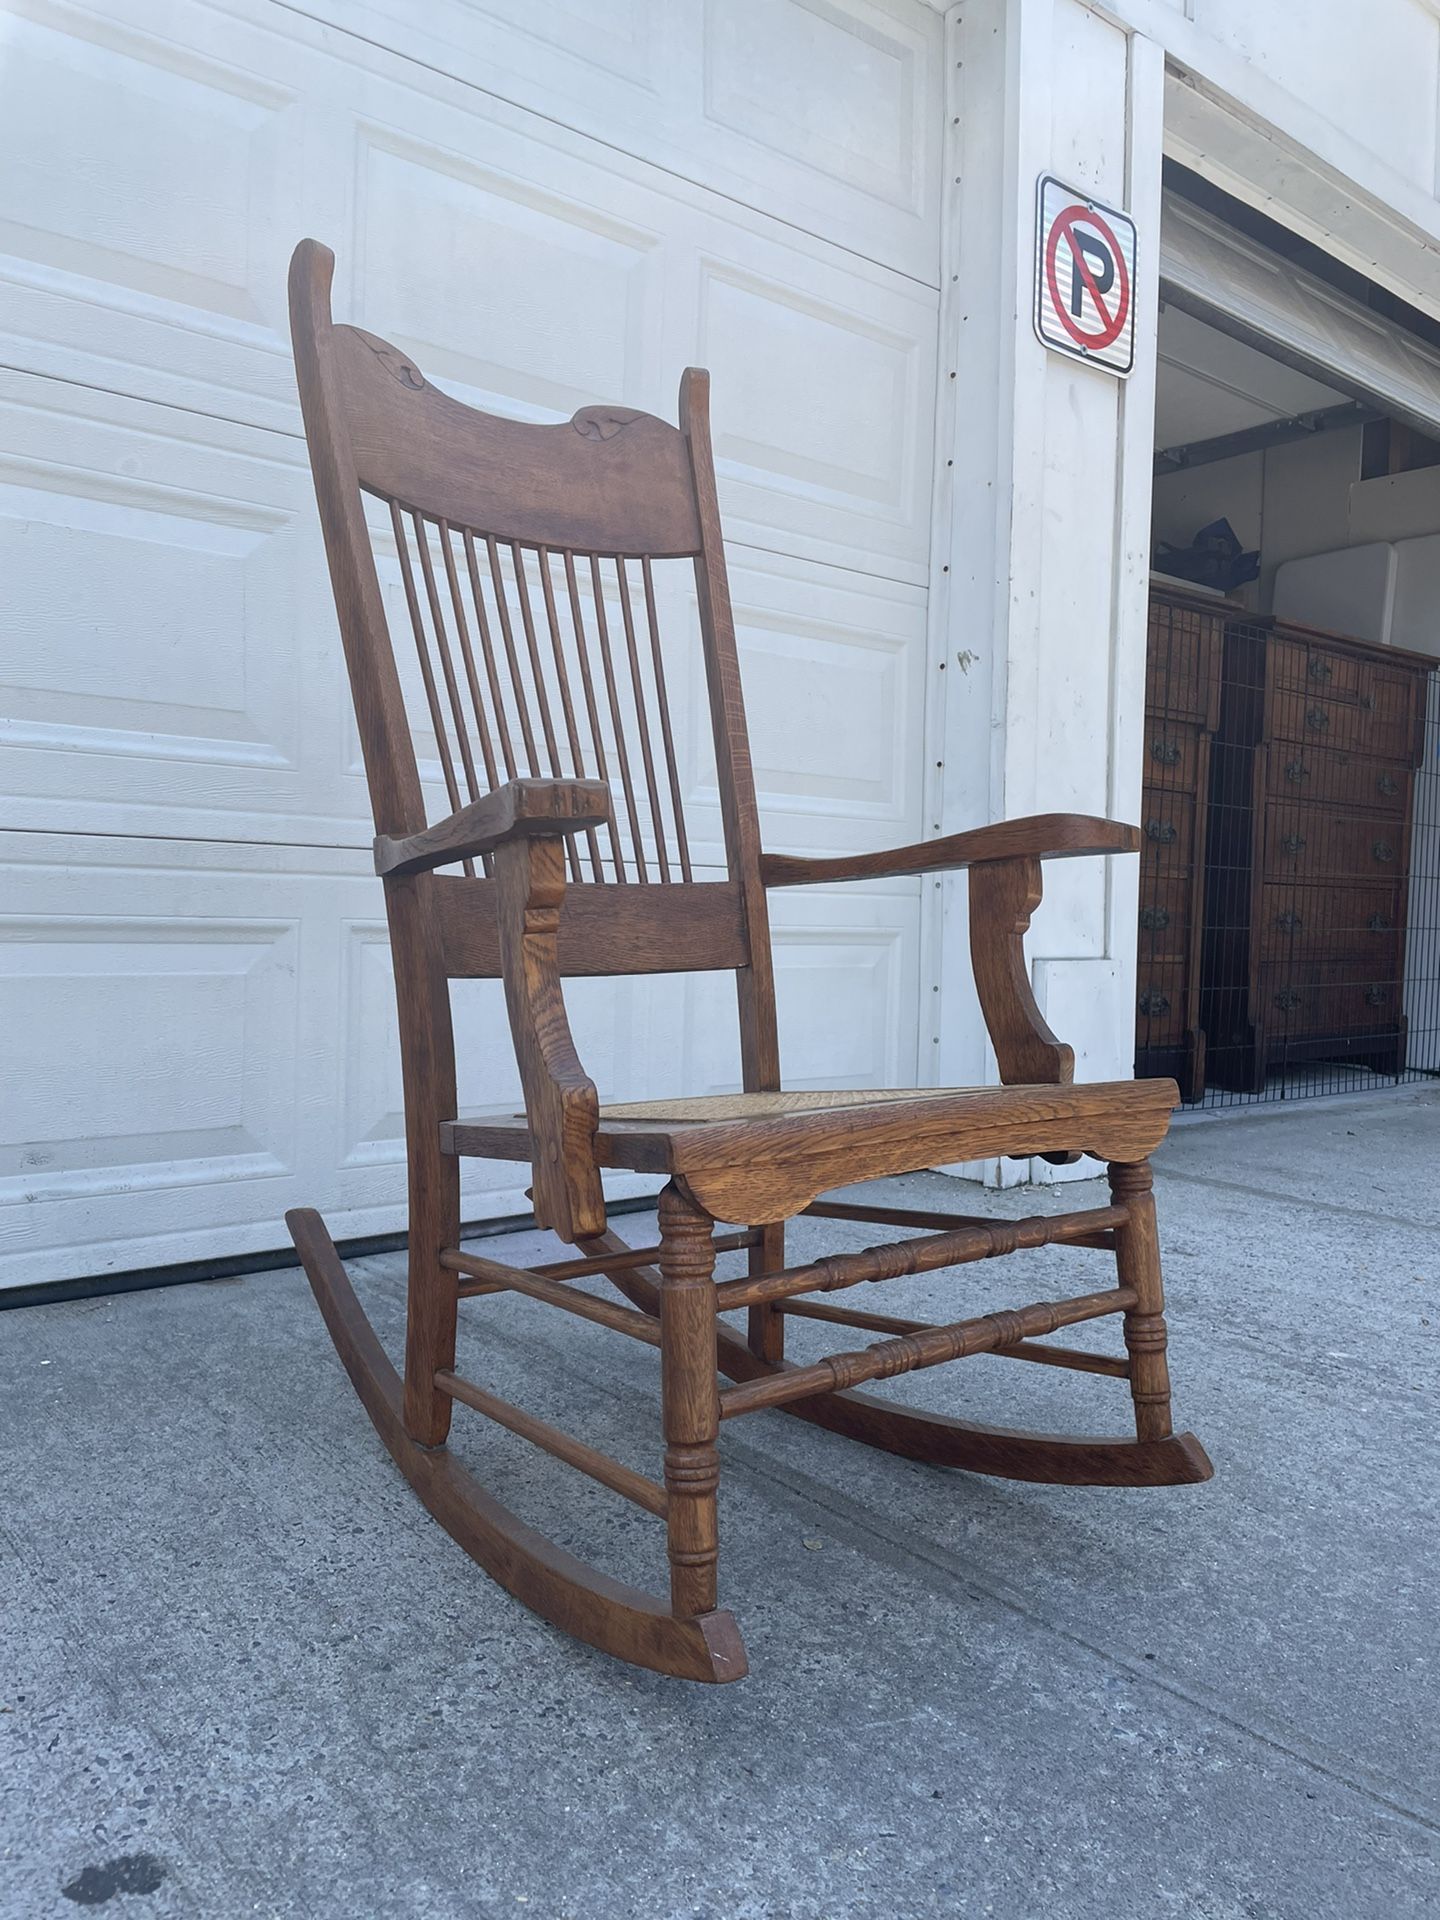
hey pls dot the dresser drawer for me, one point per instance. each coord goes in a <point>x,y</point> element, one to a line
<point>1167,826</point>
<point>1345,779</point>
<point>1316,668</point>
<point>1331,999</point>
<point>1165,919</point>
<point>1161,1013</point>
<point>1313,843</point>
<point>1351,923</point>
<point>1174,754</point>
<point>1382,723</point>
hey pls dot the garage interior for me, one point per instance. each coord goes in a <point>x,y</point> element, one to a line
<point>1289,925</point>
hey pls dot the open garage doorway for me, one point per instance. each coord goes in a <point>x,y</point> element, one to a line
<point>1289,923</point>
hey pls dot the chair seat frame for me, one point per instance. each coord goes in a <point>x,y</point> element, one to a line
<point>626,485</point>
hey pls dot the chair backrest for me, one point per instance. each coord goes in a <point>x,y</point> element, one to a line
<point>531,561</point>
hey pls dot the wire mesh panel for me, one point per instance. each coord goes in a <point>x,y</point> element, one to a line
<point>1182,711</point>
<point>1319,949</point>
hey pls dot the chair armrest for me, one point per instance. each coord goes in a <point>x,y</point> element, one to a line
<point>521,810</point>
<point>1044,836</point>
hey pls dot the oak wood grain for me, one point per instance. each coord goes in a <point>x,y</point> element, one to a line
<point>756,1171</point>
<point>522,809</point>
<point>1003,895</point>
<point>560,1096</point>
<point>1044,836</point>
<point>604,930</point>
<point>554,1440</point>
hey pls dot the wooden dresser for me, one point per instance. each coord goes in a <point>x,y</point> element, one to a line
<point>1184,650</point>
<point>1309,851</point>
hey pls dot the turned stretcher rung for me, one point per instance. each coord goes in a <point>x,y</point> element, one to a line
<point>610,1263</point>
<point>1072,1357</point>
<point>501,1278</point>
<point>873,1215</point>
<point>848,1317</point>
<point>1075,1358</point>
<point>905,1257</point>
<point>575,1453</point>
<point>641,1257</point>
<point>928,1347</point>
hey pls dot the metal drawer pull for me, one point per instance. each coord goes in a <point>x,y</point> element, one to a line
<point>1164,831</point>
<point>1317,719</point>
<point>1386,785</point>
<point>1379,923</point>
<point>1367,701</point>
<point>1289,921</point>
<point>1383,851</point>
<point>1376,996</point>
<point>1293,842</point>
<point>1167,752</point>
<point>1288,1000</point>
<point>1154,919</point>
<point>1320,669</point>
<point>1297,770</point>
<point>1152,1003</point>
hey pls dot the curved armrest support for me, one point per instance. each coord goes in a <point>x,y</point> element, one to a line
<point>1003,895</point>
<point>521,810</point>
<point>524,826</point>
<point>561,1103</point>
<point>1044,836</point>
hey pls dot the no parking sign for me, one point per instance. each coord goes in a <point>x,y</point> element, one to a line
<point>1084,277</point>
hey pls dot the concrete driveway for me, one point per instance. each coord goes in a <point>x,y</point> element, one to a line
<point>241,1673</point>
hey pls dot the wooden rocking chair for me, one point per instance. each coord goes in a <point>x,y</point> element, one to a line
<point>529,558</point>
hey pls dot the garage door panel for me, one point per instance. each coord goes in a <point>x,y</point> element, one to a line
<point>845,976</point>
<point>821,413</point>
<point>159,211</point>
<point>845,968</point>
<point>509,334</point>
<point>176,665</point>
<point>823,366</point>
<point>152,1049</point>
<point>464,228</point>
<point>371,1102</point>
<point>100,562</point>
<point>1240,287</point>
<point>171,656</point>
<point>158,1080</point>
<point>710,91</point>
<point>831,668</point>
<point>208,1015</point>
<point>213,1042</point>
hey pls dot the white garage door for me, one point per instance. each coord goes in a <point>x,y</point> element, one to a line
<point>546,205</point>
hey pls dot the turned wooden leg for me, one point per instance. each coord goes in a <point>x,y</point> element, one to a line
<point>1137,1257</point>
<point>433,1295</point>
<point>690,1401</point>
<point>765,1324</point>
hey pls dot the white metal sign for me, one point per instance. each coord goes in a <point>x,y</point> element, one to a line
<point>1084,277</point>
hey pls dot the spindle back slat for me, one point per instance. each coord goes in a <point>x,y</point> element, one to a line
<point>666,733</point>
<point>509,711</point>
<point>572,588</point>
<point>531,566</point>
<point>562,680</point>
